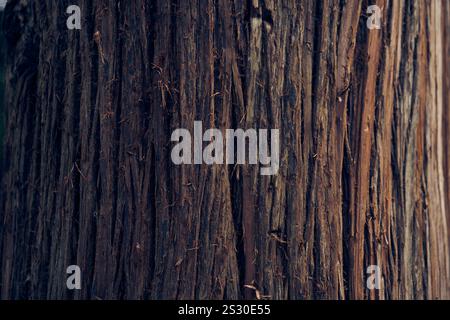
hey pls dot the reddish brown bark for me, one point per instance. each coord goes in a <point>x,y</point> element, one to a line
<point>87,178</point>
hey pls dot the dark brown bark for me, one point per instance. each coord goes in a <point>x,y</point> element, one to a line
<point>87,178</point>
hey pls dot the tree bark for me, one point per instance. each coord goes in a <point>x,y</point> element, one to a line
<point>87,178</point>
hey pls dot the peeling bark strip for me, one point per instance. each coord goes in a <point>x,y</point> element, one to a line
<point>87,179</point>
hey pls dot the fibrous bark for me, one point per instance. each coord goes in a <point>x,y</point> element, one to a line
<point>87,179</point>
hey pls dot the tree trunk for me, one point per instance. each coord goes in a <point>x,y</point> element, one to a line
<point>87,178</point>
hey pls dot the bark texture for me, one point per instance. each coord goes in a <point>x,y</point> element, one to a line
<point>87,178</point>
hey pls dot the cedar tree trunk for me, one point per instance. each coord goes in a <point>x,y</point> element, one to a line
<point>86,176</point>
